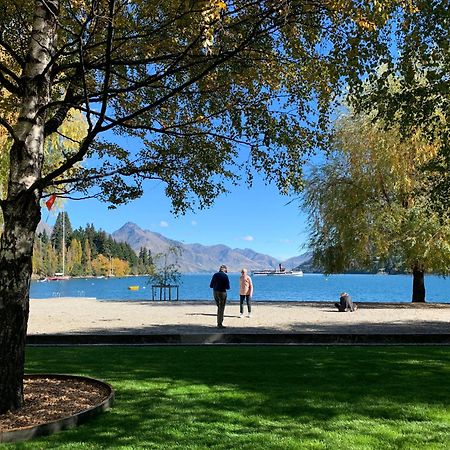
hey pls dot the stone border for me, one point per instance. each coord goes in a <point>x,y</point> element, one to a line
<point>241,339</point>
<point>47,428</point>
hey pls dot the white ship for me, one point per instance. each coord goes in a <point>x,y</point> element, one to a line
<point>280,271</point>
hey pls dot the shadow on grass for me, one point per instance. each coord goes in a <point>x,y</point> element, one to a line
<point>260,397</point>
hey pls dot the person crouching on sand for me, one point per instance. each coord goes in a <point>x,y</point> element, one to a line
<point>245,292</point>
<point>345,303</point>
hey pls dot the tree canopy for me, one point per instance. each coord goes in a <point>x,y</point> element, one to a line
<point>416,55</point>
<point>187,92</point>
<point>368,204</point>
<point>193,90</point>
<point>55,147</point>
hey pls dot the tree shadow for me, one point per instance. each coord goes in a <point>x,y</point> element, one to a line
<point>247,326</point>
<point>225,395</point>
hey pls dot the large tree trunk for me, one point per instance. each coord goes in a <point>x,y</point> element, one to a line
<point>418,294</point>
<point>21,209</point>
<point>16,248</point>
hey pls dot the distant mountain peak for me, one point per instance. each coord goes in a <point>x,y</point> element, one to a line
<point>195,257</point>
<point>130,226</point>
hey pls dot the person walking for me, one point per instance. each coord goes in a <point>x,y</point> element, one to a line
<point>245,292</point>
<point>220,283</point>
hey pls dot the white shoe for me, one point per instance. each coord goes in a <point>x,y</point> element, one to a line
<point>249,316</point>
<point>241,316</point>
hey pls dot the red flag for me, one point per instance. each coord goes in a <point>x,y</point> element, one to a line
<point>50,201</point>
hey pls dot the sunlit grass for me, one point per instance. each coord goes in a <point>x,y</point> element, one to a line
<point>259,397</point>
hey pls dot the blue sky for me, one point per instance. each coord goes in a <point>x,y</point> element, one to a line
<point>258,218</point>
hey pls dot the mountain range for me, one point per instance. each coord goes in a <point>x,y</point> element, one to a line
<point>202,258</point>
<point>198,257</point>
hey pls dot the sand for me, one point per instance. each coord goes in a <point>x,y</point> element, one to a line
<point>91,316</point>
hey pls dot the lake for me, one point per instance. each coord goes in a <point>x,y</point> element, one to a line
<point>310,287</point>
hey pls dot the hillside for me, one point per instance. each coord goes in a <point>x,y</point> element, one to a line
<point>298,262</point>
<point>195,257</point>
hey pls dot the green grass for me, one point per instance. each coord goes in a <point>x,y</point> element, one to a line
<point>259,397</point>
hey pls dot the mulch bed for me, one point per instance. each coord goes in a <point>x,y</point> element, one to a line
<point>48,399</point>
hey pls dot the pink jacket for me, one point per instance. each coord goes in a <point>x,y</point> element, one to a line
<point>245,285</point>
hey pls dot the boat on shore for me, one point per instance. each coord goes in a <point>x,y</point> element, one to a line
<point>57,278</point>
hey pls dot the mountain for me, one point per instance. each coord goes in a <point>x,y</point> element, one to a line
<point>43,226</point>
<point>195,257</point>
<point>298,262</point>
<point>303,262</point>
<point>198,257</point>
<point>137,238</point>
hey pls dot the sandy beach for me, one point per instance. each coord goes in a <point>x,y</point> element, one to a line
<point>91,316</point>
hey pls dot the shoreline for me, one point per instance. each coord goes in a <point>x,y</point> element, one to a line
<point>82,315</point>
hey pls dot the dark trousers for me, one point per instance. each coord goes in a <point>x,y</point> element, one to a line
<point>241,303</point>
<point>345,305</point>
<point>221,299</point>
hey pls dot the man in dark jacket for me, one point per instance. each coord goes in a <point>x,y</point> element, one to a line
<point>220,283</point>
<point>345,303</point>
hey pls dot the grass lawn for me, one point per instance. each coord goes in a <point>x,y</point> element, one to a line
<point>259,397</point>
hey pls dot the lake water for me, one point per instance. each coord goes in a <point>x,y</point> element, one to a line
<point>310,287</point>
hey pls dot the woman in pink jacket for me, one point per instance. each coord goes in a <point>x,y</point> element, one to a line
<point>245,292</point>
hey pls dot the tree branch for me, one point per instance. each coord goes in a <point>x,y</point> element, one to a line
<point>12,53</point>
<point>10,129</point>
<point>5,82</point>
<point>220,60</point>
<point>58,118</point>
<point>107,76</point>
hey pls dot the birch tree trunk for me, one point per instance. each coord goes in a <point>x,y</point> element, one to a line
<point>21,208</point>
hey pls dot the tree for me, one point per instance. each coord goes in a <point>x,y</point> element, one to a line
<point>38,257</point>
<point>145,261</point>
<point>86,258</point>
<point>203,87</point>
<point>416,55</point>
<point>74,255</point>
<point>165,268</point>
<point>120,267</point>
<point>369,202</point>
<point>101,265</point>
<point>50,259</point>
<point>420,64</point>
<point>62,223</point>
<point>55,145</point>
<point>78,255</point>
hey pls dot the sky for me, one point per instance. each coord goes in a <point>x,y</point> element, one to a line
<point>258,218</point>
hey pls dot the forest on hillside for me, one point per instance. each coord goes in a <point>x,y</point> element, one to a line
<point>85,252</point>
